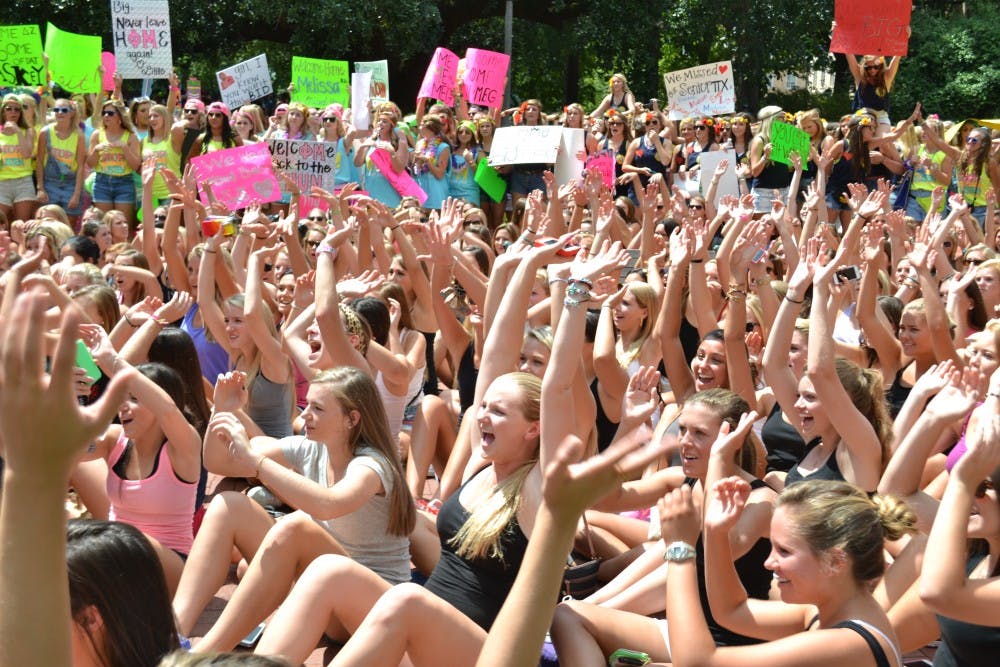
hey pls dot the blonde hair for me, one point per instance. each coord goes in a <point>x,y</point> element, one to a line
<point>481,534</point>
<point>729,406</point>
<point>837,515</point>
<point>865,389</point>
<point>356,391</point>
<point>645,296</point>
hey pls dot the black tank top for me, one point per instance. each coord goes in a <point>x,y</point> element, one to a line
<point>467,374</point>
<point>756,579</point>
<point>785,447</point>
<point>476,587</point>
<point>606,429</point>
<point>829,470</point>
<point>431,382</point>
<point>897,394</point>
<point>967,644</point>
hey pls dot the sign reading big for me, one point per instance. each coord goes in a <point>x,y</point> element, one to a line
<point>140,31</point>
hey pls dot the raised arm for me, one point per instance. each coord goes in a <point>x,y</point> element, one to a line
<point>336,343</point>
<point>671,314</point>
<point>944,586</point>
<point>274,363</point>
<point>751,240</point>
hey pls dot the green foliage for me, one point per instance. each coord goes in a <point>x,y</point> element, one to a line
<point>954,63</point>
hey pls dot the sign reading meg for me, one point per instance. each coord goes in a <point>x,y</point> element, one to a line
<point>485,74</point>
<point>439,80</point>
<point>705,89</point>
<point>140,30</point>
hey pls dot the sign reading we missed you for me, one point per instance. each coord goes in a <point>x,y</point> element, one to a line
<point>140,31</point>
<point>706,89</point>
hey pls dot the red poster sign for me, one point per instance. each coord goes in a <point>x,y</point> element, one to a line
<point>871,28</point>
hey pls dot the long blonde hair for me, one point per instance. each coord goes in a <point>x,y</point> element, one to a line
<point>646,298</point>
<point>481,534</point>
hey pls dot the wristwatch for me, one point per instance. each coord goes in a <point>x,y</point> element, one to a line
<point>678,552</point>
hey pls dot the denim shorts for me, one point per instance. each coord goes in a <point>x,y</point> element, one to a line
<point>524,182</point>
<point>114,189</point>
<point>762,198</point>
<point>60,191</point>
<point>14,190</point>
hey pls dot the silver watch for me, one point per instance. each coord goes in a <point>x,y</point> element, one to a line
<point>678,552</point>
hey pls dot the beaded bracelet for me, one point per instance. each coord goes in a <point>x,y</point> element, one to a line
<point>574,290</point>
<point>326,247</point>
<point>791,300</point>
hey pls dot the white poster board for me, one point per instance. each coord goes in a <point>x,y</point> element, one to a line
<point>706,89</point>
<point>537,144</point>
<point>572,155</point>
<point>140,31</point>
<point>729,183</point>
<point>361,83</point>
<point>245,82</point>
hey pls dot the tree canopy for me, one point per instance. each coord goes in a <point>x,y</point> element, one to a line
<point>565,50</point>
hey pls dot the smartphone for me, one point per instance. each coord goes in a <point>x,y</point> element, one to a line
<point>85,361</point>
<point>759,256</point>
<point>253,637</point>
<point>624,657</point>
<point>568,250</point>
<point>847,273</point>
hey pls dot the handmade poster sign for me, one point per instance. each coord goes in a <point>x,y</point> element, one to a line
<point>785,139</point>
<point>537,144</point>
<point>871,28</point>
<point>21,56</point>
<point>603,162</point>
<point>193,88</point>
<point>239,176</point>
<point>729,184</point>
<point>245,82</point>
<point>490,181</point>
<point>380,79</point>
<point>73,59</point>
<point>706,89</point>
<point>572,155</point>
<point>439,80</point>
<point>140,33</point>
<point>485,75</point>
<point>360,91</point>
<point>320,82</point>
<point>308,163</point>
<point>110,65</point>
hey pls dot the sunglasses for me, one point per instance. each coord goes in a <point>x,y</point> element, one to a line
<point>109,113</point>
<point>159,218</point>
<point>140,100</point>
<point>268,267</point>
<point>652,122</point>
<point>975,262</point>
<point>984,486</point>
<point>972,140</point>
<point>190,112</point>
<point>696,207</point>
<point>872,68</point>
<point>12,108</point>
<point>317,218</point>
<point>313,244</point>
<point>699,127</point>
<point>616,123</point>
<point>62,110</point>
<point>215,114</point>
<point>332,119</point>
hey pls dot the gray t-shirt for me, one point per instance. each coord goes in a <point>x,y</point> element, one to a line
<point>364,533</point>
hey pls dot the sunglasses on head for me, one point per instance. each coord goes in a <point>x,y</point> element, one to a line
<point>984,486</point>
<point>62,110</point>
<point>140,100</point>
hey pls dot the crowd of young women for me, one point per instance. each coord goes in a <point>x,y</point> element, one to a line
<point>770,391</point>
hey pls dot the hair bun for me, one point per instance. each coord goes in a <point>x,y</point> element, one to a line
<point>896,517</point>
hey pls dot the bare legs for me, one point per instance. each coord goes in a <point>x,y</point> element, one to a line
<point>232,520</point>
<point>431,442</point>
<point>586,634</point>
<point>288,548</point>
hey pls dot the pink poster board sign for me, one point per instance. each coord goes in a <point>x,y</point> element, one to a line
<point>239,176</point>
<point>604,164</point>
<point>401,182</point>
<point>485,75</point>
<point>439,80</point>
<point>110,65</point>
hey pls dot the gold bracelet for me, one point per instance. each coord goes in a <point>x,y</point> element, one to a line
<point>260,462</point>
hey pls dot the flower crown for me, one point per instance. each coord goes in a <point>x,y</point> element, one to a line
<point>789,118</point>
<point>709,122</point>
<point>864,120</point>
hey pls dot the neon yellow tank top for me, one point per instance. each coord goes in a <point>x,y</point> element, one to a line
<point>111,161</point>
<point>13,163</point>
